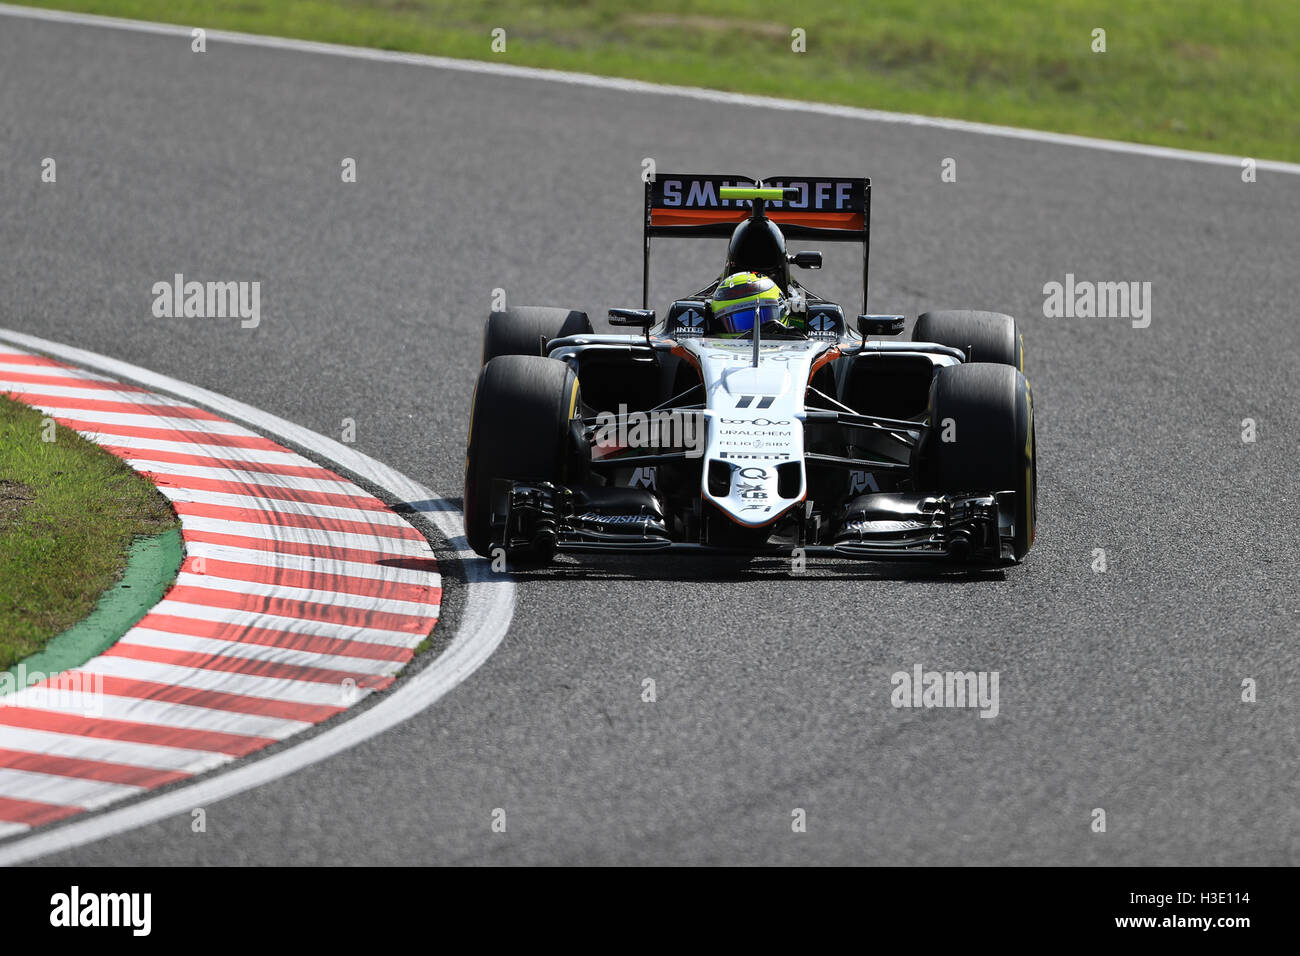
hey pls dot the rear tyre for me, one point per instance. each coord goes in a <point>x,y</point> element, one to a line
<point>526,330</point>
<point>519,429</point>
<point>986,411</point>
<point>984,336</point>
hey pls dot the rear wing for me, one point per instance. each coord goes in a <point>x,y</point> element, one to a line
<point>835,209</point>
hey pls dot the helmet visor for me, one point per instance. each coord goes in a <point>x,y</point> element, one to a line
<point>743,318</point>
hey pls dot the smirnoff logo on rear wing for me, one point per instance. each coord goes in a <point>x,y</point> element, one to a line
<point>816,195</point>
<point>827,204</point>
<point>697,192</point>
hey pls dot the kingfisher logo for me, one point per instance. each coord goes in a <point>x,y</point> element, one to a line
<point>76,909</point>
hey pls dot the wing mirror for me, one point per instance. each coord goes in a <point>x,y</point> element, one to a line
<point>879,325</point>
<point>636,318</point>
<point>806,260</point>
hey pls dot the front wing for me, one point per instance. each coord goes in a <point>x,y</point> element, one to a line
<point>543,518</point>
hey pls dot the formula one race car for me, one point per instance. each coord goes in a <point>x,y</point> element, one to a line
<point>750,417</point>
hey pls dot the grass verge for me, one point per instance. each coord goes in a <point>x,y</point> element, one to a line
<point>1196,74</point>
<point>69,512</point>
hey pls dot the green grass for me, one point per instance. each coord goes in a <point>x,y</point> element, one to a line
<point>69,512</point>
<point>1198,74</point>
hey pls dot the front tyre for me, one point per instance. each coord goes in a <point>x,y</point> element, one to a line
<point>526,329</point>
<point>983,336</point>
<point>981,440</point>
<point>519,429</point>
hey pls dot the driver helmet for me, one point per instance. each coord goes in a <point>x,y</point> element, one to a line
<point>744,298</point>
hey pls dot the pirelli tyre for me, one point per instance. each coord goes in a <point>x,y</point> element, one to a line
<point>519,429</point>
<point>981,440</point>
<point>526,330</point>
<point>983,336</point>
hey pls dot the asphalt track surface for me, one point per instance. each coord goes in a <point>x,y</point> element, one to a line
<point>1119,690</point>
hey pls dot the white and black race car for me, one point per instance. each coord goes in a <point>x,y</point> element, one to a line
<point>799,433</point>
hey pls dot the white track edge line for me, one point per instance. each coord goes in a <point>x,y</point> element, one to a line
<point>642,86</point>
<point>489,607</point>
